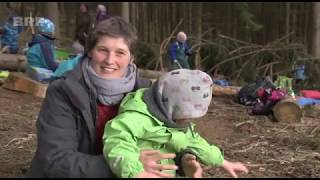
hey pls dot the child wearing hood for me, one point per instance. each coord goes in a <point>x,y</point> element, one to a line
<point>159,118</point>
<point>9,36</point>
<point>41,56</point>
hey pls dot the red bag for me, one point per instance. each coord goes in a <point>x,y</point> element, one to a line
<point>310,94</point>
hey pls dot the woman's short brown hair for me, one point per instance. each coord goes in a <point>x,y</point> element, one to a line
<point>115,27</point>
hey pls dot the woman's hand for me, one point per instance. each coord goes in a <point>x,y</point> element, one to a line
<point>232,167</point>
<point>191,167</point>
<point>152,169</point>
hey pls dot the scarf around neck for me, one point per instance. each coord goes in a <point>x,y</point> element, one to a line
<point>109,91</point>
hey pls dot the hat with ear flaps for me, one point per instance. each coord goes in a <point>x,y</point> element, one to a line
<point>179,94</point>
<point>185,93</point>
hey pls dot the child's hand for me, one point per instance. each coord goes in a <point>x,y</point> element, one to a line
<point>191,166</point>
<point>232,167</point>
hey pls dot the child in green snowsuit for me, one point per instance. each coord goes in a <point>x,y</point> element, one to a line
<point>159,118</point>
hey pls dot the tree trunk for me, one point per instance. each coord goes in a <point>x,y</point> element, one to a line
<point>198,33</point>
<point>133,10</point>
<point>53,14</point>
<point>306,24</point>
<point>125,11</point>
<point>156,23</point>
<point>316,30</point>
<point>145,24</point>
<point>288,19</point>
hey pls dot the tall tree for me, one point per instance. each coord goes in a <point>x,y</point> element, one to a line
<point>288,19</point>
<point>198,32</point>
<point>316,30</point>
<point>53,14</point>
<point>133,16</point>
<point>125,11</point>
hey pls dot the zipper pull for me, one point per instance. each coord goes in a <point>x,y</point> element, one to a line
<point>190,127</point>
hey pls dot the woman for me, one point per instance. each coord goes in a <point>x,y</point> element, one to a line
<point>77,105</point>
<point>83,23</point>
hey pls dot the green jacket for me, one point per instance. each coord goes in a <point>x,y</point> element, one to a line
<point>135,128</point>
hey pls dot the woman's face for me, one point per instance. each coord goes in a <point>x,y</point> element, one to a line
<point>110,57</point>
<point>83,8</point>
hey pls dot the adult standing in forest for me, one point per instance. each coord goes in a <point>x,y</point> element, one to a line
<point>83,24</point>
<point>77,105</point>
<point>101,13</point>
<point>179,52</point>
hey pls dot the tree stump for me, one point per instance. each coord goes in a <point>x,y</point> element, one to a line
<point>20,82</point>
<point>287,110</point>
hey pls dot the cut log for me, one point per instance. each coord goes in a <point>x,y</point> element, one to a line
<point>13,62</point>
<point>2,81</point>
<point>20,82</point>
<point>287,110</point>
<point>150,73</point>
<point>225,90</point>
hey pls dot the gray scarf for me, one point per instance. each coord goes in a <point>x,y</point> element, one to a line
<point>109,91</point>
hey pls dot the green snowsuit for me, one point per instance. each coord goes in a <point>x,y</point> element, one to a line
<point>135,128</point>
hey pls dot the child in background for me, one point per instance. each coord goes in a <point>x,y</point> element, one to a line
<point>9,36</point>
<point>159,118</point>
<point>41,53</point>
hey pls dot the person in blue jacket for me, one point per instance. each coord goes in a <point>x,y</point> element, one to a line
<point>10,36</point>
<point>179,52</point>
<point>41,53</point>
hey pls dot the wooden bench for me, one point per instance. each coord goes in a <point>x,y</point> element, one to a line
<point>18,81</point>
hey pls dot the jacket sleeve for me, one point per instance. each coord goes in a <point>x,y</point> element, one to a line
<point>173,51</point>
<point>206,153</point>
<point>48,54</point>
<point>58,141</point>
<point>188,50</point>
<point>120,144</point>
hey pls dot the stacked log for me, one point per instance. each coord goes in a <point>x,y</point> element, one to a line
<point>13,62</point>
<point>150,73</point>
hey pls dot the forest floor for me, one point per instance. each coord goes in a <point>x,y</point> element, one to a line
<point>269,149</point>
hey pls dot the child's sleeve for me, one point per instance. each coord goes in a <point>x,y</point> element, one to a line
<point>206,153</point>
<point>188,50</point>
<point>49,57</point>
<point>120,144</point>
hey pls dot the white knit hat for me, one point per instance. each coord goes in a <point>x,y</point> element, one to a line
<point>101,8</point>
<point>181,37</point>
<point>185,93</point>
